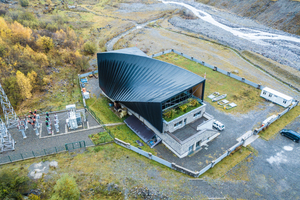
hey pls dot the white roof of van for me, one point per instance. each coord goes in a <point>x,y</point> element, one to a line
<point>274,92</point>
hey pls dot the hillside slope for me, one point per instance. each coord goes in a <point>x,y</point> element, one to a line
<point>282,14</point>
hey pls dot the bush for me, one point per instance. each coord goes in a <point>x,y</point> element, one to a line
<point>12,186</point>
<point>89,48</point>
<point>24,3</point>
<point>66,188</point>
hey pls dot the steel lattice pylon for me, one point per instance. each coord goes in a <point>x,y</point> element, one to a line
<point>8,111</point>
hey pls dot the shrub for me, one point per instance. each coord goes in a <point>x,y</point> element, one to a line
<point>183,107</point>
<point>66,188</point>
<point>89,48</point>
<point>24,3</point>
<point>45,43</point>
<point>12,185</point>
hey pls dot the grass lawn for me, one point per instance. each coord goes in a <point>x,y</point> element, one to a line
<point>125,134</point>
<point>245,96</point>
<point>98,166</point>
<point>101,108</point>
<point>122,132</point>
<point>227,163</point>
<point>274,128</point>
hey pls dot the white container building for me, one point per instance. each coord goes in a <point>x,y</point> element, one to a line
<point>276,97</point>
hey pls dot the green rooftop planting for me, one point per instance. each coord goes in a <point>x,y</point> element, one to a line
<point>181,109</point>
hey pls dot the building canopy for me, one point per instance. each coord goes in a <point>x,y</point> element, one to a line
<point>142,83</point>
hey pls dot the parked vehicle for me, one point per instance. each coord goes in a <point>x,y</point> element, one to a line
<point>218,125</point>
<point>293,135</point>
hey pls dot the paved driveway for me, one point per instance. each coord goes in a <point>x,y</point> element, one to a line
<point>273,174</point>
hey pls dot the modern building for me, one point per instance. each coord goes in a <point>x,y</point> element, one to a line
<point>164,101</point>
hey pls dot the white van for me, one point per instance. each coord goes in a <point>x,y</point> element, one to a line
<point>218,125</point>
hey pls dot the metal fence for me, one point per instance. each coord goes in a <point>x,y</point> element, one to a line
<point>44,152</point>
<point>294,104</point>
<point>258,86</point>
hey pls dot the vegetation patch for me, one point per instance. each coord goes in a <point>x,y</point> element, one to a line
<point>125,134</point>
<point>174,113</point>
<point>101,138</point>
<point>275,127</point>
<point>245,96</point>
<point>101,109</point>
<point>221,168</point>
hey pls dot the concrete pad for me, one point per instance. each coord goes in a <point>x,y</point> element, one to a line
<point>250,140</point>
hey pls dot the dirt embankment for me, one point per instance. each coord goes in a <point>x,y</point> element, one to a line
<point>283,15</point>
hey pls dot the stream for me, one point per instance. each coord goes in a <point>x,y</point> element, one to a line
<point>245,33</point>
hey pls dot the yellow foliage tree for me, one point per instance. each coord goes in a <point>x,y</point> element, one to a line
<point>4,30</point>
<point>45,43</point>
<point>24,84</point>
<point>32,78</point>
<point>20,33</point>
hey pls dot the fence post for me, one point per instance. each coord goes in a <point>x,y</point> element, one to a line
<point>55,149</point>
<point>80,144</point>
<point>45,151</point>
<point>33,154</point>
<point>84,143</point>
<point>66,146</point>
<point>9,158</point>
<point>22,156</point>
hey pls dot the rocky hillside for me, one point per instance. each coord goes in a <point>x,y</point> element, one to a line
<point>282,14</point>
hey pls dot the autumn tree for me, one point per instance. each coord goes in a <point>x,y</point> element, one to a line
<point>32,76</point>
<point>24,84</point>
<point>20,34</point>
<point>45,43</point>
<point>66,188</point>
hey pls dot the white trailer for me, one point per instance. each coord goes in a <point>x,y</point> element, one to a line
<point>276,97</point>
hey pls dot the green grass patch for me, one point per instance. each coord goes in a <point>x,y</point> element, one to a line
<point>245,96</point>
<point>101,108</point>
<point>100,138</point>
<point>125,134</point>
<point>227,163</point>
<point>274,128</point>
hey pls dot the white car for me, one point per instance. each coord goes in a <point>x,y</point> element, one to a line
<point>218,125</point>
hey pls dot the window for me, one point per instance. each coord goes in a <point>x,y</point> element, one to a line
<point>270,95</point>
<point>264,92</point>
<point>284,101</point>
<point>198,143</point>
<point>178,124</point>
<point>197,114</point>
<point>191,148</point>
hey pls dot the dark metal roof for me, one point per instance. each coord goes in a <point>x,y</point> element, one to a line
<point>142,83</point>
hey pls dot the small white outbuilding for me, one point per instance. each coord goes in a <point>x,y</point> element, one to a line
<point>276,97</point>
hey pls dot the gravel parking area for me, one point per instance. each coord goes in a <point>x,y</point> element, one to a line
<point>273,174</point>
<point>236,126</point>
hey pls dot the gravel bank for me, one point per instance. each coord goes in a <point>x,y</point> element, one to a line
<point>284,52</point>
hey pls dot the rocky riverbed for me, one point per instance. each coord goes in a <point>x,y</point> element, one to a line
<point>283,51</point>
